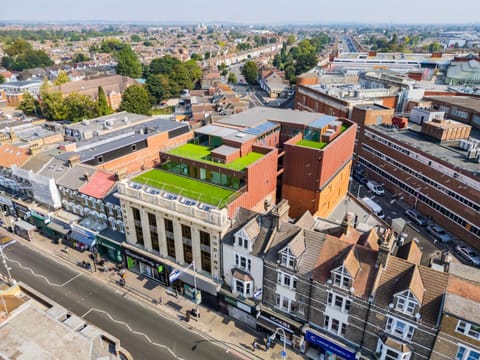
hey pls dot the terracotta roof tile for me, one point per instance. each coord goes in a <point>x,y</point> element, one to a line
<point>12,155</point>
<point>99,184</point>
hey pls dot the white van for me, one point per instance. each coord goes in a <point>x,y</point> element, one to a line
<point>374,207</point>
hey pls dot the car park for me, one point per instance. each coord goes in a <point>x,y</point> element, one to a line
<point>375,187</point>
<point>439,233</point>
<point>416,217</point>
<point>362,179</point>
<point>468,254</point>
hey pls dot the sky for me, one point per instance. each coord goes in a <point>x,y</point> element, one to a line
<point>245,11</point>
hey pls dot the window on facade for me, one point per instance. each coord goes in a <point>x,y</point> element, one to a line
<point>286,280</point>
<point>406,303</point>
<point>334,325</point>
<point>171,247</point>
<point>187,253</point>
<point>341,278</point>
<point>466,353</point>
<point>136,214</point>
<point>152,221</point>
<point>239,287</point>
<point>168,226</point>
<point>206,261</point>
<point>186,232</point>
<point>400,328</point>
<point>287,259</point>
<point>468,329</point>
<point>285,304</point>
<point>243,262</point>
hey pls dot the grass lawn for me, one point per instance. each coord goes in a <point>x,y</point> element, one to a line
<point>199,153</point>
<point>312,144</point>
<point>190,188</point>
<point>164,111</point>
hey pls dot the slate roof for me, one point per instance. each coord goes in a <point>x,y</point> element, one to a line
<point>74,178</point>
<point>434,282</point>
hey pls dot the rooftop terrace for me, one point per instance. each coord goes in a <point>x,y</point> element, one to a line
<point>202,153</point>
<point>187,187</point>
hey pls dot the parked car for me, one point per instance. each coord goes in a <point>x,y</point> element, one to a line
<point>375,187</point>
<point>468,254</point>
<point>439,233</point>
<point>362,179</point>
<point>416,217</point>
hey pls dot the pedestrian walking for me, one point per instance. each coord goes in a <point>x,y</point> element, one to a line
<point>254,345</point>
<point>160,301</point>
<point>176,293</point>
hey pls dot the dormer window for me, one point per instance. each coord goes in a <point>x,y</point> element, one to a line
<point>406,303</point>
<point>242,242</point>
<point>287,259</point>
<point>341,278</point>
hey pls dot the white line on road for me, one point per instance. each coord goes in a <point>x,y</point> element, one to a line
<point>42,276</point>
<point>133,331</point>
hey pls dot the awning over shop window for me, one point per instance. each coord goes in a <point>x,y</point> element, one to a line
<point>59,228</point>
<point>88,241</point>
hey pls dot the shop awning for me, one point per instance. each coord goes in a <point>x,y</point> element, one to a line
<point>270,325</point>
<point>82,239</point>
<point>272,320</point>
<point>58,228</point>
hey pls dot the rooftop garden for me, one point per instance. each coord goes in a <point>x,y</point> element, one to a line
<point>190,188</point>
<point>312,144</point>
<point>202,153</point>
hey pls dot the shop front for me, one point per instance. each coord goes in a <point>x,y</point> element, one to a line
<point>145,265</point>
<point>6,206</point>
<point>206,288</point>
<point>238,308</point>
<point>321,347</point>
<point>40,220</point>
<point>82,238</point>
<point>21,210</point>
<point>271,322</point>
<point>58,230</point>
<point>109,245</point>
<point>24,229</point>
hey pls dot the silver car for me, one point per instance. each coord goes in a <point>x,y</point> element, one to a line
<point>439,233</point>
<point>468,254</point>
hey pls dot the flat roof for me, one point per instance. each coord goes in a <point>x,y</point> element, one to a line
<point>462,307</point>
<point>191,188</point>
<point>258,115</point>
<point>225,150</point>
<point>467,102</point>
<point>201,153</point>
<point>413,137</point>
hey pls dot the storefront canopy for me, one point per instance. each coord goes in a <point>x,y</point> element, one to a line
<point>58,228</point>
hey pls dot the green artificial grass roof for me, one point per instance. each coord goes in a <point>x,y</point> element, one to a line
<point>312,144</point>
<point>200,153</point>
<point>190,188</point>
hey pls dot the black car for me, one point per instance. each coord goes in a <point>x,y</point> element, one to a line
<point>362,179</point>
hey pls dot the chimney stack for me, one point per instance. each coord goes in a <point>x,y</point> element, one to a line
<point>280,213</point>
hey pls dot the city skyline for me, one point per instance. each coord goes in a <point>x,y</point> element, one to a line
<point>246,12</point>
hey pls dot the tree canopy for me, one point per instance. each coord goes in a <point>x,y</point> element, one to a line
<point>102,104</point>
<point>250,72</point>
<point>136,100</point>
<point>28,105</point>
<point>127,63</point>
<point>21,56</point>
<point>167,76</point>
<point>62,78</point>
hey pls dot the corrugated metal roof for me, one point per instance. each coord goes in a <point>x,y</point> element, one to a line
<point>261,129</point>
<point>322,121</point>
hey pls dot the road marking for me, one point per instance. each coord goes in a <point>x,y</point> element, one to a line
<point>133,331</point>
<point>42,276</point>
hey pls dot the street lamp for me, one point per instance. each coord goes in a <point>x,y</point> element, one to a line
<point>272,337</point>
<point>4,259</point>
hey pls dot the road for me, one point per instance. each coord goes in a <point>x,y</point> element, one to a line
<point>143,332</point>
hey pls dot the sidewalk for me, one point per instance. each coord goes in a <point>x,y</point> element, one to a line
<point>215,327</point>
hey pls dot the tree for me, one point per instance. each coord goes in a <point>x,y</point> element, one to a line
<point>17,47</point>
<point>79,107</point>
<point>103,108</point>
<point>28,105</point>
<point>163,65</point>
<point>196,57</point>
<point>32,59</point>
<point>2,79</point>
<point>136,100</point>
<point>207,55</point>
<point>232,78</point>
<point>52,106</point>
<point>291,40</point>
<point>250,72</point>
<point>128,64</point>
<point>135,38</point>
<point>79,57</point>
<point>62,78</point>
<point>160,87</point>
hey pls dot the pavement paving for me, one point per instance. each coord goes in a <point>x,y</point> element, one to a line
<point>213,326</point>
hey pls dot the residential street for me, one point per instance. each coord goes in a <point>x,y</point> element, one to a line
<point>145,333</point>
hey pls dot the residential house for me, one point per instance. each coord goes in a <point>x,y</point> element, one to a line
<point>273,82</point>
